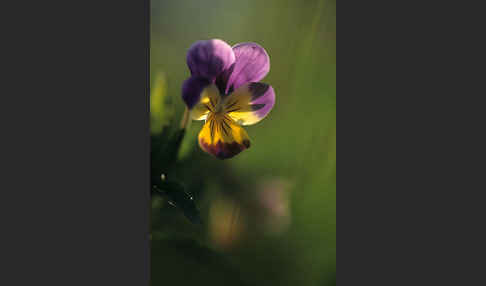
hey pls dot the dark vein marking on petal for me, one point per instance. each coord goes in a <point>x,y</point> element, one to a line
<point>225,124</point>
<point>255,107</point>
<point>224,128</point>
<point>212,103</point>
<point>258,89</point>
<point>231,104</point>
<point>234,109</point>
<point>211,127</point>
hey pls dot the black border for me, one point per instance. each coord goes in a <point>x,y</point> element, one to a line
<point>75,144</point>
<point>76,149</point>
<point>409,185</point>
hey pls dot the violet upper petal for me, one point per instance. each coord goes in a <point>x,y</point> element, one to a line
<point>252,64</point>
<point>209,58</point>
<point>192,88</point>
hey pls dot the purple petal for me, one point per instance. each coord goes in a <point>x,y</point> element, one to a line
<point>263,98</point>
<point>192,88</point>
<point>209,58</point>
<point>250,103</point>
<point>251,65</point>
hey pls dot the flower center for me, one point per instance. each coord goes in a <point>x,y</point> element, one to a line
<point>218,109</point>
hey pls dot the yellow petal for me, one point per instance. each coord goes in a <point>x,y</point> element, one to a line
<point>209,101</point>
<point>222,137</point>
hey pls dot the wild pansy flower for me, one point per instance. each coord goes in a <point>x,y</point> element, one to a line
<point>224,90</point>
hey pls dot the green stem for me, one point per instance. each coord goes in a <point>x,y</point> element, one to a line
<point>185,119</point>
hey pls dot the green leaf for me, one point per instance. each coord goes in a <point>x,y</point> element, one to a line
<point>178,197</point>
<point>161,105</point>
<point>188,143</point>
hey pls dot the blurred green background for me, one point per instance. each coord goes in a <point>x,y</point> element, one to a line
<point>269,214</point>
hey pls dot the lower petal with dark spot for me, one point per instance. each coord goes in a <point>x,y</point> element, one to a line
<point>223,138</point>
